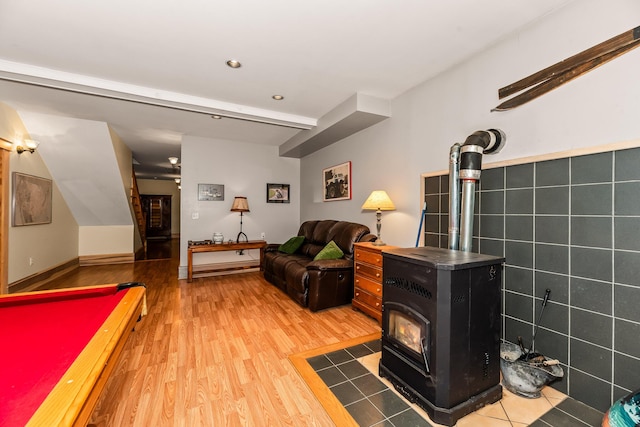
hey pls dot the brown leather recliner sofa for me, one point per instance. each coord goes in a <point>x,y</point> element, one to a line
<point>317,284</point>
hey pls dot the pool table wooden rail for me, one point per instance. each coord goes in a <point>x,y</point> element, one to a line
<point>73,399</point>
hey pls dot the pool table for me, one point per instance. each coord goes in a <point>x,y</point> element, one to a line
<point>58,349</point>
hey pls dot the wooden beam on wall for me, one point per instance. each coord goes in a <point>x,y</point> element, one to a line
<point>4,221</point>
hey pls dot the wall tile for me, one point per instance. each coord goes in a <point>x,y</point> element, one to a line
<point>555,316</point>
<point>590,390</point>
<point>432,185</point>
<point>491,226</point>
<point>553,258</point>
<point>558,283</point>
<point>552,201</point>
<point>591,295</point>
<point>492,179</point>
<point>592,231</point>
<point>515,328</point>
<point>518,227</point>
<point>592,168</point>
<point>627,233</point>
<point>591,327</point>
<point>552,229</point>
<point>594,199</point>
<point>519,280</point>
<point>593,359</point>
<point>626,338</point>
<point>520,176</point>
<point>519,253</point>
<point>592,263</point>
<point>432,240</point>
<point>626,198</point>
<point>444,203</point>
<point>519,202</point>
<point>432,223</point>
<point>551,344</point>
<point>433,203</point>
<point>627,162</point>
<point>627,268</point>
<point>492,247</point>
<point>552,172</point>
<point>626,371</point>
<point>492,202</point>
<point>627,303</point>
<point>519,306</point>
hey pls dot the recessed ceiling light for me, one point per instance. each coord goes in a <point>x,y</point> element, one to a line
<point>215,116</point>
<point>234,63</point>
<point>278,97</point>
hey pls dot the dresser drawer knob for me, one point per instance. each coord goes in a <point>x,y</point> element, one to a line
<point>377,304</point>
<point>377,289</point>
<point>377,274</point>
<point>357,267</point>
<point>357,294</point>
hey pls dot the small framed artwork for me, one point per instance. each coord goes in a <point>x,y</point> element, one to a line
<point>211,192</point>
<point>31,200</point>
<point>278,193</point>
<point>336,182</point>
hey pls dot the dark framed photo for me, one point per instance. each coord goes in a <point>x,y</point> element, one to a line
<point>278,193</point>
<point>211,192</point>
<point>31,200</point>
<point>336,182</point>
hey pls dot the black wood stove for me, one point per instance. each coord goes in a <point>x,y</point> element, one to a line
<point>441,329</point>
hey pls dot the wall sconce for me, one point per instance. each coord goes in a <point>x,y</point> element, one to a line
<point>26,145</point>
<point>379,201</point>
<point>173,161</point>
<point>241,205</point>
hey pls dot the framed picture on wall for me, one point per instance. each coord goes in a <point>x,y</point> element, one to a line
<point>211,192</point>
<point>336,182</point>
<point>278,193</point>
<point>31,200</point>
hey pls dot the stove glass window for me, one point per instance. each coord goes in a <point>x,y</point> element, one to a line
<point>405,330</point>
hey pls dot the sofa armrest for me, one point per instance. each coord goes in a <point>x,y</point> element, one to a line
<point>272,247</point>
<point>331,264</point>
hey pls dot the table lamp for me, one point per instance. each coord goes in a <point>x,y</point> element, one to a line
<point>379,201</point>
<point>241,205</point>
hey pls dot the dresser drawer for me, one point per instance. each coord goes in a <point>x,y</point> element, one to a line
<point>373,258</point>
<point>371,272</point>
<point>374,288</point>
<point>367,299</point>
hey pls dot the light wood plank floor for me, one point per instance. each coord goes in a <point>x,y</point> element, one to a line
<point>214,352</point>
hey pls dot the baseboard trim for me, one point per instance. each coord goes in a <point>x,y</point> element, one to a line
<point>36,281</point>
<point>107,259</point>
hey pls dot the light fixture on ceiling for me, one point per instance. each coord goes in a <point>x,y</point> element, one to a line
<point>379,201</point>
<point>278,97</point>
<point>234,63</point>
<point>26,145</point>
<point>173,161</point>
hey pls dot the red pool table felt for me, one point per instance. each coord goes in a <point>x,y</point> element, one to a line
<point>42,334</point>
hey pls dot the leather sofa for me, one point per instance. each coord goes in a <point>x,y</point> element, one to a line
<point>317,284</point>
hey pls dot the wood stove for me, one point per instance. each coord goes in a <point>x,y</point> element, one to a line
<point>441,329</point>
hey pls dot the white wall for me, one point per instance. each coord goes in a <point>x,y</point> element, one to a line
<point>244,170</point>
<point>164,187</point>
<point>597,108</point>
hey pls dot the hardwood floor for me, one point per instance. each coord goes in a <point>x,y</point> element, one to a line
<point>214,352</point>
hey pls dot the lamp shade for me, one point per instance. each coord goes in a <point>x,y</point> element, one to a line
<point>240,204</point>
<point>379,199</point>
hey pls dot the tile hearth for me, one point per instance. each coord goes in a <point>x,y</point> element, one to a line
<point>351,376</point>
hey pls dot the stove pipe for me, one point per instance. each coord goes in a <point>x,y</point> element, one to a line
<point>468,170</point>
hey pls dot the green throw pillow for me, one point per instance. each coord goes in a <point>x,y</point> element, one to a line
<point>291,245</point>
<point>330,251</point>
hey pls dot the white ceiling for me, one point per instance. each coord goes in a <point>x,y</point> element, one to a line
<point>171,53</point>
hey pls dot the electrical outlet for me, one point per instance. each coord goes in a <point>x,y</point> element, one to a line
<point>195,215</point>
<point>262,236</point>
<point>31,261</point>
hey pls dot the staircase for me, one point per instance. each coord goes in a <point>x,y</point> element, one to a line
<point>136,202</point>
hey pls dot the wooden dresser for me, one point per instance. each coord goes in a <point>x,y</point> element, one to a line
<point>367,278</point>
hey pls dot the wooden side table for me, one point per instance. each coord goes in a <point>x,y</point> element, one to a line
<point>199,248</point>
<point>367,286</point>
